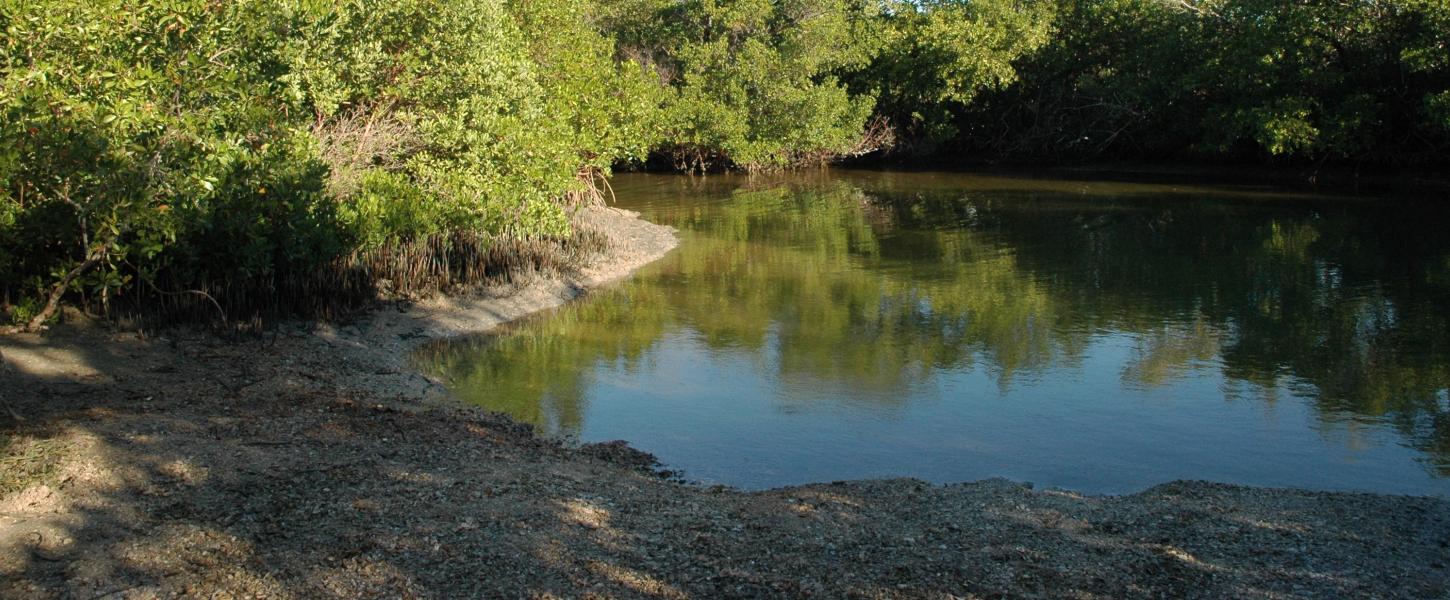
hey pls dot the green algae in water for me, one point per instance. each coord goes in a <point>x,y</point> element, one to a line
<point>1103,337</point>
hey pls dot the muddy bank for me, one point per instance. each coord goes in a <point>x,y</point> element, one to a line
<point>311,463</point>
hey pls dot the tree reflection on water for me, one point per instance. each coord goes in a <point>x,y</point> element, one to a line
<point>871,286</point>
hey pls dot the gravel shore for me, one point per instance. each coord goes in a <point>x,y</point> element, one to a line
<point>310,462</point>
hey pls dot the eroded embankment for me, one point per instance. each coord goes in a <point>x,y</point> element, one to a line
<point>311,463</point>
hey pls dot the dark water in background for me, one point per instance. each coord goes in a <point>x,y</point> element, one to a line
<point>1102,337</point>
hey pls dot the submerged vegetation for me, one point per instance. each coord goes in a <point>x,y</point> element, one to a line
<point>269,156</point>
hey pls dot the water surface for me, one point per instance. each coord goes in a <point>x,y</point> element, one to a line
<point>1102,337</point>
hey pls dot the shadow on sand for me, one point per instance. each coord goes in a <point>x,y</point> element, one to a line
<point>188,465</point>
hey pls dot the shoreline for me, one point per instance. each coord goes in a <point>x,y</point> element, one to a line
<point>315,463</point>
<point>387,335</point>
<point>1413,184</point>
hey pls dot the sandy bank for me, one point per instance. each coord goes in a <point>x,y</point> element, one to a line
<point>312,463</point>
<point>380,342</point>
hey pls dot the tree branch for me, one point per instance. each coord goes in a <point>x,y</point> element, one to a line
<point>57,291</point>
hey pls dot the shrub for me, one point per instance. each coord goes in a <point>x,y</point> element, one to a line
<point>158,146</point>
<point>754,84</point>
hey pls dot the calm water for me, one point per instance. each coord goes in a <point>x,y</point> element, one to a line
<point>1102,337</point>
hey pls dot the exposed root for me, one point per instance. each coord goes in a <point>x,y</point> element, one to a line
<point>438,263</point>
<point>593,184</point>
<point>354,142</point>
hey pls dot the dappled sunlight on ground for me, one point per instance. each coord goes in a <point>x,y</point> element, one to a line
<point>261,468</point>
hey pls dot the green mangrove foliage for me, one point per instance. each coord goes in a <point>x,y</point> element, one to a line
<point>608,109</point>
<point>939,55</point>
<point>753,84</point>
<point>283,155</point>
<point>1316,80</point>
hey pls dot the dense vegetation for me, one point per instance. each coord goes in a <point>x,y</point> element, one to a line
<point>1350,81</point>
<point>298,155</point>
<point>290,155</point>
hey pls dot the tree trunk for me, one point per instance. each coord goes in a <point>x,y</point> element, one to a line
<point>57,292</point>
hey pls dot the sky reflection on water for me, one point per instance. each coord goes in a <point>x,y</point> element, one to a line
<point>1102,337</point>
